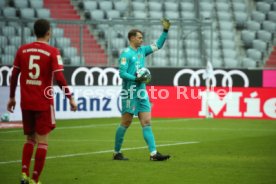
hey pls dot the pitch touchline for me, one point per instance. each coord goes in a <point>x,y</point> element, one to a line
<point>99,152</point>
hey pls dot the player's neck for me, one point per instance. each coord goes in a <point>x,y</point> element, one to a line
<point>133,46</point>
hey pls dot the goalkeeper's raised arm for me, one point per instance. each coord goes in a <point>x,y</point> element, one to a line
<point>133,57</point>
<point>149,49</point>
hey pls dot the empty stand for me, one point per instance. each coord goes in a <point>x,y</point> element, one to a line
<point>62,10</point>
<point>243,33</point>
<point>259,34</point>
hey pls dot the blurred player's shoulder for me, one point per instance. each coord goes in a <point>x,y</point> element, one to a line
<point>126,50</point>
<point>27,45</point>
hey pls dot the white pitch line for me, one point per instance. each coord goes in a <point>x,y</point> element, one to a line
<point>216,129</point>
<point>11,131</point>
<point>81,140</point>
<point>103,125</point>
<point>100,152</point>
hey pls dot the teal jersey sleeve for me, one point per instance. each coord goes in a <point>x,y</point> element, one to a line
<point>123,67</point>
<point>149,49</point>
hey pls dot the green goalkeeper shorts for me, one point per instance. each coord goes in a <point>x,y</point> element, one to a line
<point>134,106</point>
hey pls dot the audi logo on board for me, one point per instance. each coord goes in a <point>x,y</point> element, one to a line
<point>90,76</point>
<point>227,77</point>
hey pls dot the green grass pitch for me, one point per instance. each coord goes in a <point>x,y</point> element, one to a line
<point>204,151</point>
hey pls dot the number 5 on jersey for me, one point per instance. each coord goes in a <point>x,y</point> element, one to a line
<point>34,65</point>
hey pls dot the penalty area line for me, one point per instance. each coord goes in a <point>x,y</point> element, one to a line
<point>100,152</point>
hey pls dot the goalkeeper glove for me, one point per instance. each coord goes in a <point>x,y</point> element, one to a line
<point>166,24</point>
<point>140,79</point>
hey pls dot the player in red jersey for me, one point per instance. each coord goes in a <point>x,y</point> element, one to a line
<point>38,63</point>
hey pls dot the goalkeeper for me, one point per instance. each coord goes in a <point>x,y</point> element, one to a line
<point>135,100</point>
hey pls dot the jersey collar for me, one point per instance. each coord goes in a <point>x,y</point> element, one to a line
<point>42,42</point>
<point>133,48</point>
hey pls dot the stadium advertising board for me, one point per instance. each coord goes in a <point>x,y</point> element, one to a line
<point>269,78</point>
<point>218,102</point>
<point>238,93</point>
<point>109,76</point>
<point>168,101</point>
<point>93,102</point>
<point>165,76</point>
<point>194,77</point>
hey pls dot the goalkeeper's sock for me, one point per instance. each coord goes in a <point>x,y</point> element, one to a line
<point>119,138</point>
<point>40,157</point>
<point>149,138</point>
<point>28,149</point>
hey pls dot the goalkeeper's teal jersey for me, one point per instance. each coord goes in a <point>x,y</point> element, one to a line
<point>131,60</point>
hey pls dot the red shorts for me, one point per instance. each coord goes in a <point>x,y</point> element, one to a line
<point>41,122</point>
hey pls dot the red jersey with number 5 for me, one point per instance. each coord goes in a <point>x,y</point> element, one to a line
<point>37,61</point>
